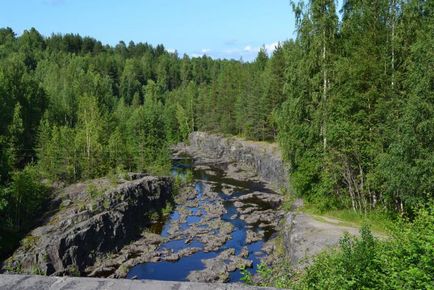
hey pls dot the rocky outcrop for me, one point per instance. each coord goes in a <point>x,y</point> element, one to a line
<point>264,158</point>
<point>91,224</point>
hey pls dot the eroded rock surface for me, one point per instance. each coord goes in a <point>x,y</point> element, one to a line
<point>217,269</point>
<point>91,225</point>
<point>263,158</point>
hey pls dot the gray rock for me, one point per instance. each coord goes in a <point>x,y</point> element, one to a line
<point>21,282</point>
<point>265,159</point>
<point>218,268</point>
<point>305,236</point>
<point>75,239</point>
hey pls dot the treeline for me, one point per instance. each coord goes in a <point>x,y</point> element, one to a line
<point>358,123</point>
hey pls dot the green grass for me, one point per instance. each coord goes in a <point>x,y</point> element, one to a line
<point>378,221</point>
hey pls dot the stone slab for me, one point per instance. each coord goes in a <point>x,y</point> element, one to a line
<point>27,282</point>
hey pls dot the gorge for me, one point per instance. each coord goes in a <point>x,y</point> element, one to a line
<point>219,214</point>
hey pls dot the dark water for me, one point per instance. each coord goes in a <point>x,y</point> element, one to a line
<point>179,270</point>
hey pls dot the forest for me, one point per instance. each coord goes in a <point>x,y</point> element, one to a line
<point>350,101</point>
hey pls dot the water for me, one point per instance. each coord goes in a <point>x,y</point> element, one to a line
<point>179,270</point>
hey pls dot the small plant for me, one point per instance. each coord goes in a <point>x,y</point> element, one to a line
<point>246,276</point>
<point>106,203</point>
<point>154,216</point>
<point>29,242</point>
<point>113,177</point>
<point>188,177</point>
<point>288,200</point>
<point>73,271</point>
<point>13,266</point>
<point>122,270</point>
<point>81,206</point>
<point>167,210</point>
<point>37,270</point>
<point>93,191</point>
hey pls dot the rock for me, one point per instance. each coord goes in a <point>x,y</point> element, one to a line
<point>208,277</point>
<point>306,236</point>
<point>272,200</point>
<point>253,236</point>
<point>236,171</point>
<point>188,252</point>
<point>234,216</point>
<point>17,282</point>
<point>269,247</point>
<point>247,210</point>
<point>203,167</point>
<point>264,158</point>
<point>218,268</point>
<point>74,239</point>
<point>228,189</point>
<point>244,252</point>
<point>172,258</point>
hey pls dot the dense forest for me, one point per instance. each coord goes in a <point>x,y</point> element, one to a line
<point>350,101</point>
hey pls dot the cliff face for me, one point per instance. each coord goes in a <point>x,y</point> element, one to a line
<point>265,159</point>
<point>85,229</point>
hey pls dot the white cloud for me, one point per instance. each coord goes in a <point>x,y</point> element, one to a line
<point>171,50</point>
<point>251,49</point>
<point>248,48</point>
<point>270,48</point>
<point>206,50</point>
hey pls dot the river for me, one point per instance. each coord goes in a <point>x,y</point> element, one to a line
<point>217,202</point>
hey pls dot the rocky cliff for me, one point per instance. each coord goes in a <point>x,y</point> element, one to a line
<point>89,224</point>
<point>264,158</point>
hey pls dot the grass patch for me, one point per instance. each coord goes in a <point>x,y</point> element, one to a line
<point>378,221</point>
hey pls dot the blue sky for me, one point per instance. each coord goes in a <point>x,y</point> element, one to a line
<point>219,28</point>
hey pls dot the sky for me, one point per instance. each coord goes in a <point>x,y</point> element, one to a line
<point>218,28</point>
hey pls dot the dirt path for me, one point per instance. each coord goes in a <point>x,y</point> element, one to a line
<point>307,235</point>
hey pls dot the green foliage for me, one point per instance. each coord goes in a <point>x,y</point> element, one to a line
<point>356,127</point>
<point>22,201</point>
<point>25,196</point>
<point>93,191</point>
<point>36,270</point>
<point>277,276</point>
<point>246,277</point>
<point>73,271</point>
<point>167,210</point>
<point>403,260</point>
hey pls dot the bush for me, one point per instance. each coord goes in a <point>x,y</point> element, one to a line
<point>20,202</point>
<point>403,262</point>
<point>25,196</point>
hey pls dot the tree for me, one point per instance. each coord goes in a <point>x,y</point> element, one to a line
<point>16,130</point>
<point>89,135</point>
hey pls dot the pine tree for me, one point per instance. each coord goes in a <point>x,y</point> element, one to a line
<point>16,130</point>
